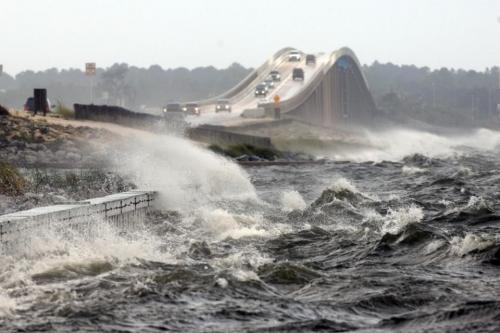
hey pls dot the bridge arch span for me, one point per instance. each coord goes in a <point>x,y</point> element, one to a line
<point>338,94</point>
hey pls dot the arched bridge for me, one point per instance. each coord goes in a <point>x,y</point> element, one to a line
<point>334,91</point>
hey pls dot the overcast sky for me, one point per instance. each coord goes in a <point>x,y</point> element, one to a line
<point>40,34</point>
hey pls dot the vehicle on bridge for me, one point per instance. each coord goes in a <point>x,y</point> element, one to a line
<point>192,108</point>
<point>261,90</point>
<point>310,59</point>
<point>223,105</point>
<point>269,83</point>
<point>172,107</point>
<point>294,56</point>
<point>298,74</point>
<point>275,76</point>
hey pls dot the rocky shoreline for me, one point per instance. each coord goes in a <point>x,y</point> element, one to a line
<point>30,143</point>
<point>44,163</point>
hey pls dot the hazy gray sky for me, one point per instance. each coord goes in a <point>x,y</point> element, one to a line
<point>39,34</point>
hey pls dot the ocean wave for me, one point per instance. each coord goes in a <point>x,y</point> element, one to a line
<point>470,243</point>
<point>397,219</point>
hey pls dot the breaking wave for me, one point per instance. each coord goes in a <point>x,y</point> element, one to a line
<point>186,175</point>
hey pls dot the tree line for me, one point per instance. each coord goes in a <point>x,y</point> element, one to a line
<point>441,96</point>
<point>121,84</point>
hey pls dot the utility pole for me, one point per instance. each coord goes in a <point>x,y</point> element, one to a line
<point>90,70</point>
<point>473,107</point>
<point>490,102</point>
<point>433,95</point>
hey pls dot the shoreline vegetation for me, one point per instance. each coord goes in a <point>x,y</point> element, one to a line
<point>44,164</point>
<point>35,142</point>
<point>244,152</point>
<point>22,189</point>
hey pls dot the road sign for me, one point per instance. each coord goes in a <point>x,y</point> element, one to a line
<point>90,72</point>
<point>90,68</point>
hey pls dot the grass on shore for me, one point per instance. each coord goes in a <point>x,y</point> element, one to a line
<point>64,111</point>
<point>83,183</point>
<point>77,181</point>
<point>12,183</point>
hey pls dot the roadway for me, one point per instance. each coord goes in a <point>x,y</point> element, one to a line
<point>246,99</point>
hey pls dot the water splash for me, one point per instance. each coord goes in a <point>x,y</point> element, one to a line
<point>469,243</point>
<point>395,144</point>
<point>397,219</point>
<point>292,200</point>
<point>411,170</point>
<point>222,224</point>
<point>186,175</point>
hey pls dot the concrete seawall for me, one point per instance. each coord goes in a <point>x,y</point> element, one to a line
<point>226,137</point>
<point>121,208</point>
<point>116,115</point>
<point>170,123</point>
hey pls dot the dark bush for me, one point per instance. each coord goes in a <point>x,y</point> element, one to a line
<point>244,149</point>
<point>4,111</point>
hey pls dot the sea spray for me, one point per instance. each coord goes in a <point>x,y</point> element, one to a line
<point>186,176</point>
<point>411,170</point>
<point>396,143</point>
<point>292,200</point>
<point>397,219</point>
<point>469,243</point>
<point>222,224</point>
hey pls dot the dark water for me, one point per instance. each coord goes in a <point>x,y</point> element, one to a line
<point>407,246</point>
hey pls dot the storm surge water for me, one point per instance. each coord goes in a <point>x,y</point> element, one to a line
<point>402,236</point>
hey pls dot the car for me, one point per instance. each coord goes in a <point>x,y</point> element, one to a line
<point>275,75</point>
<point>298,74</point>
<point>310,59</point>
<point>172,107</point>
<point>294,56</point>
<point>269,83</point>
<point>261,90</point>
<point>223,105</point>
<point>29,105</point>
<point>192,108</point>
